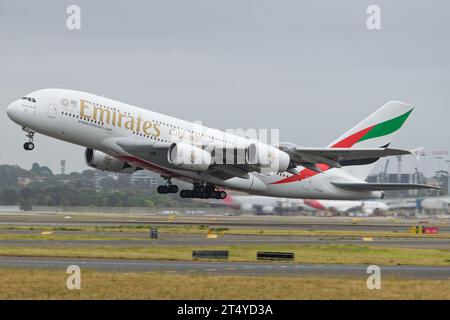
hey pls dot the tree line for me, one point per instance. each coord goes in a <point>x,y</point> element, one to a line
<point>39,186</point>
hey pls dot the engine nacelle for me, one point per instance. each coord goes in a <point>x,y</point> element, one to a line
<point>188,157</point>
<point>269,158</point>
<point>102,161</point>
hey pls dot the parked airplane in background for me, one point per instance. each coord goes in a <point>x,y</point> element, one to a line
<point>262,205</point>
<point>347,206</point>
<point>273,205</point>
<point>123,138</point>
<point>427,203</point>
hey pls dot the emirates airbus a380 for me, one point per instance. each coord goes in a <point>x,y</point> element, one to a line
<point>123,138</point>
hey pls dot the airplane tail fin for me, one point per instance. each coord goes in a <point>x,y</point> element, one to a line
<point>375,131</point>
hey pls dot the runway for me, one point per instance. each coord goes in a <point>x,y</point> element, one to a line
<point>225,268</point>
<point>263,226</point>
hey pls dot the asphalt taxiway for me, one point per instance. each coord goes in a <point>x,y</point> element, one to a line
<point>225,268</point>
<point>176,239</point>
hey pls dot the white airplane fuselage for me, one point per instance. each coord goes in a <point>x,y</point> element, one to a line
<point>97,123</point>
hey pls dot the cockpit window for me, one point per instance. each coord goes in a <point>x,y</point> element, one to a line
<point>29,99</point>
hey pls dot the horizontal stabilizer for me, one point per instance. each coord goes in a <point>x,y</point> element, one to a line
<point>363,186</point>
<point>336,157</point>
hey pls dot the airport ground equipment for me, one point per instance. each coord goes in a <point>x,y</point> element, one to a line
<point>154,233</point>
<point>264,255</point>
<point>210,254</point>
<point>424,230</point>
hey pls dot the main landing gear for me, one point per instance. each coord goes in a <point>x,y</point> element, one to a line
<point>29,145</point>
<point>200,191</point>
<point>204,192</point>
<point>169,188</point>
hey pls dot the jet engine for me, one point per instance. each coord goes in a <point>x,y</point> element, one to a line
<point>188,157</point>
<point>102,161</point>
<point>268,158</point>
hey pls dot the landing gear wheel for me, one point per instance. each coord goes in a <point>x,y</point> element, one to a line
<point>203,192</point>
<point>200,189</point>
<point>28,146</point>
<point>30,135</point>
<point>222,195</point>
<point>163,189</point>
<point>186,193</point>
<point>168,188</point>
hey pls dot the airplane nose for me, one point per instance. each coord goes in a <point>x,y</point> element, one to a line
<point>12,110</point>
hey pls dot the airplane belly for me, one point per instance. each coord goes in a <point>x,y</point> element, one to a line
<point>232,183</point>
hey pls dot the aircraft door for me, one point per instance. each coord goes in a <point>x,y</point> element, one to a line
<point>52,111</point>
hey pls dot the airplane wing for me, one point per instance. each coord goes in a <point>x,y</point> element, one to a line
<point>364,186</point>
<point>143,149</point>
<point>337,157</point>
<point>149,150</point>
<point>306,157</point>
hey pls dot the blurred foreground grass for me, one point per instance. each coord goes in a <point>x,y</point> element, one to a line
<point>51,284</point>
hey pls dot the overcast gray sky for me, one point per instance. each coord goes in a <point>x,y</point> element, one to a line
<point>310,68</point>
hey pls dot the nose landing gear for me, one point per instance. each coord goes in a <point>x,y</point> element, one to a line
<point>29,145</point>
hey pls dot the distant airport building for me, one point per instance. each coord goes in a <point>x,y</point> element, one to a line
<point>448,185</point>
<point>143,177</point>
<point>63,167</point>
<point>382,177</point>
<point>396,178</point>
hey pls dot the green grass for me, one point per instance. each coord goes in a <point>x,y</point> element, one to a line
<point>202,229</point>
<point>331,254</point>
<point>64,237</point>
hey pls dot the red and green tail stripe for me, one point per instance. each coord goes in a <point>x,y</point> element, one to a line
<point>375,131</point>
<point>378,130</point>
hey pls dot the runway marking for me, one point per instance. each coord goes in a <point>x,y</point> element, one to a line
<point>230,268</point>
